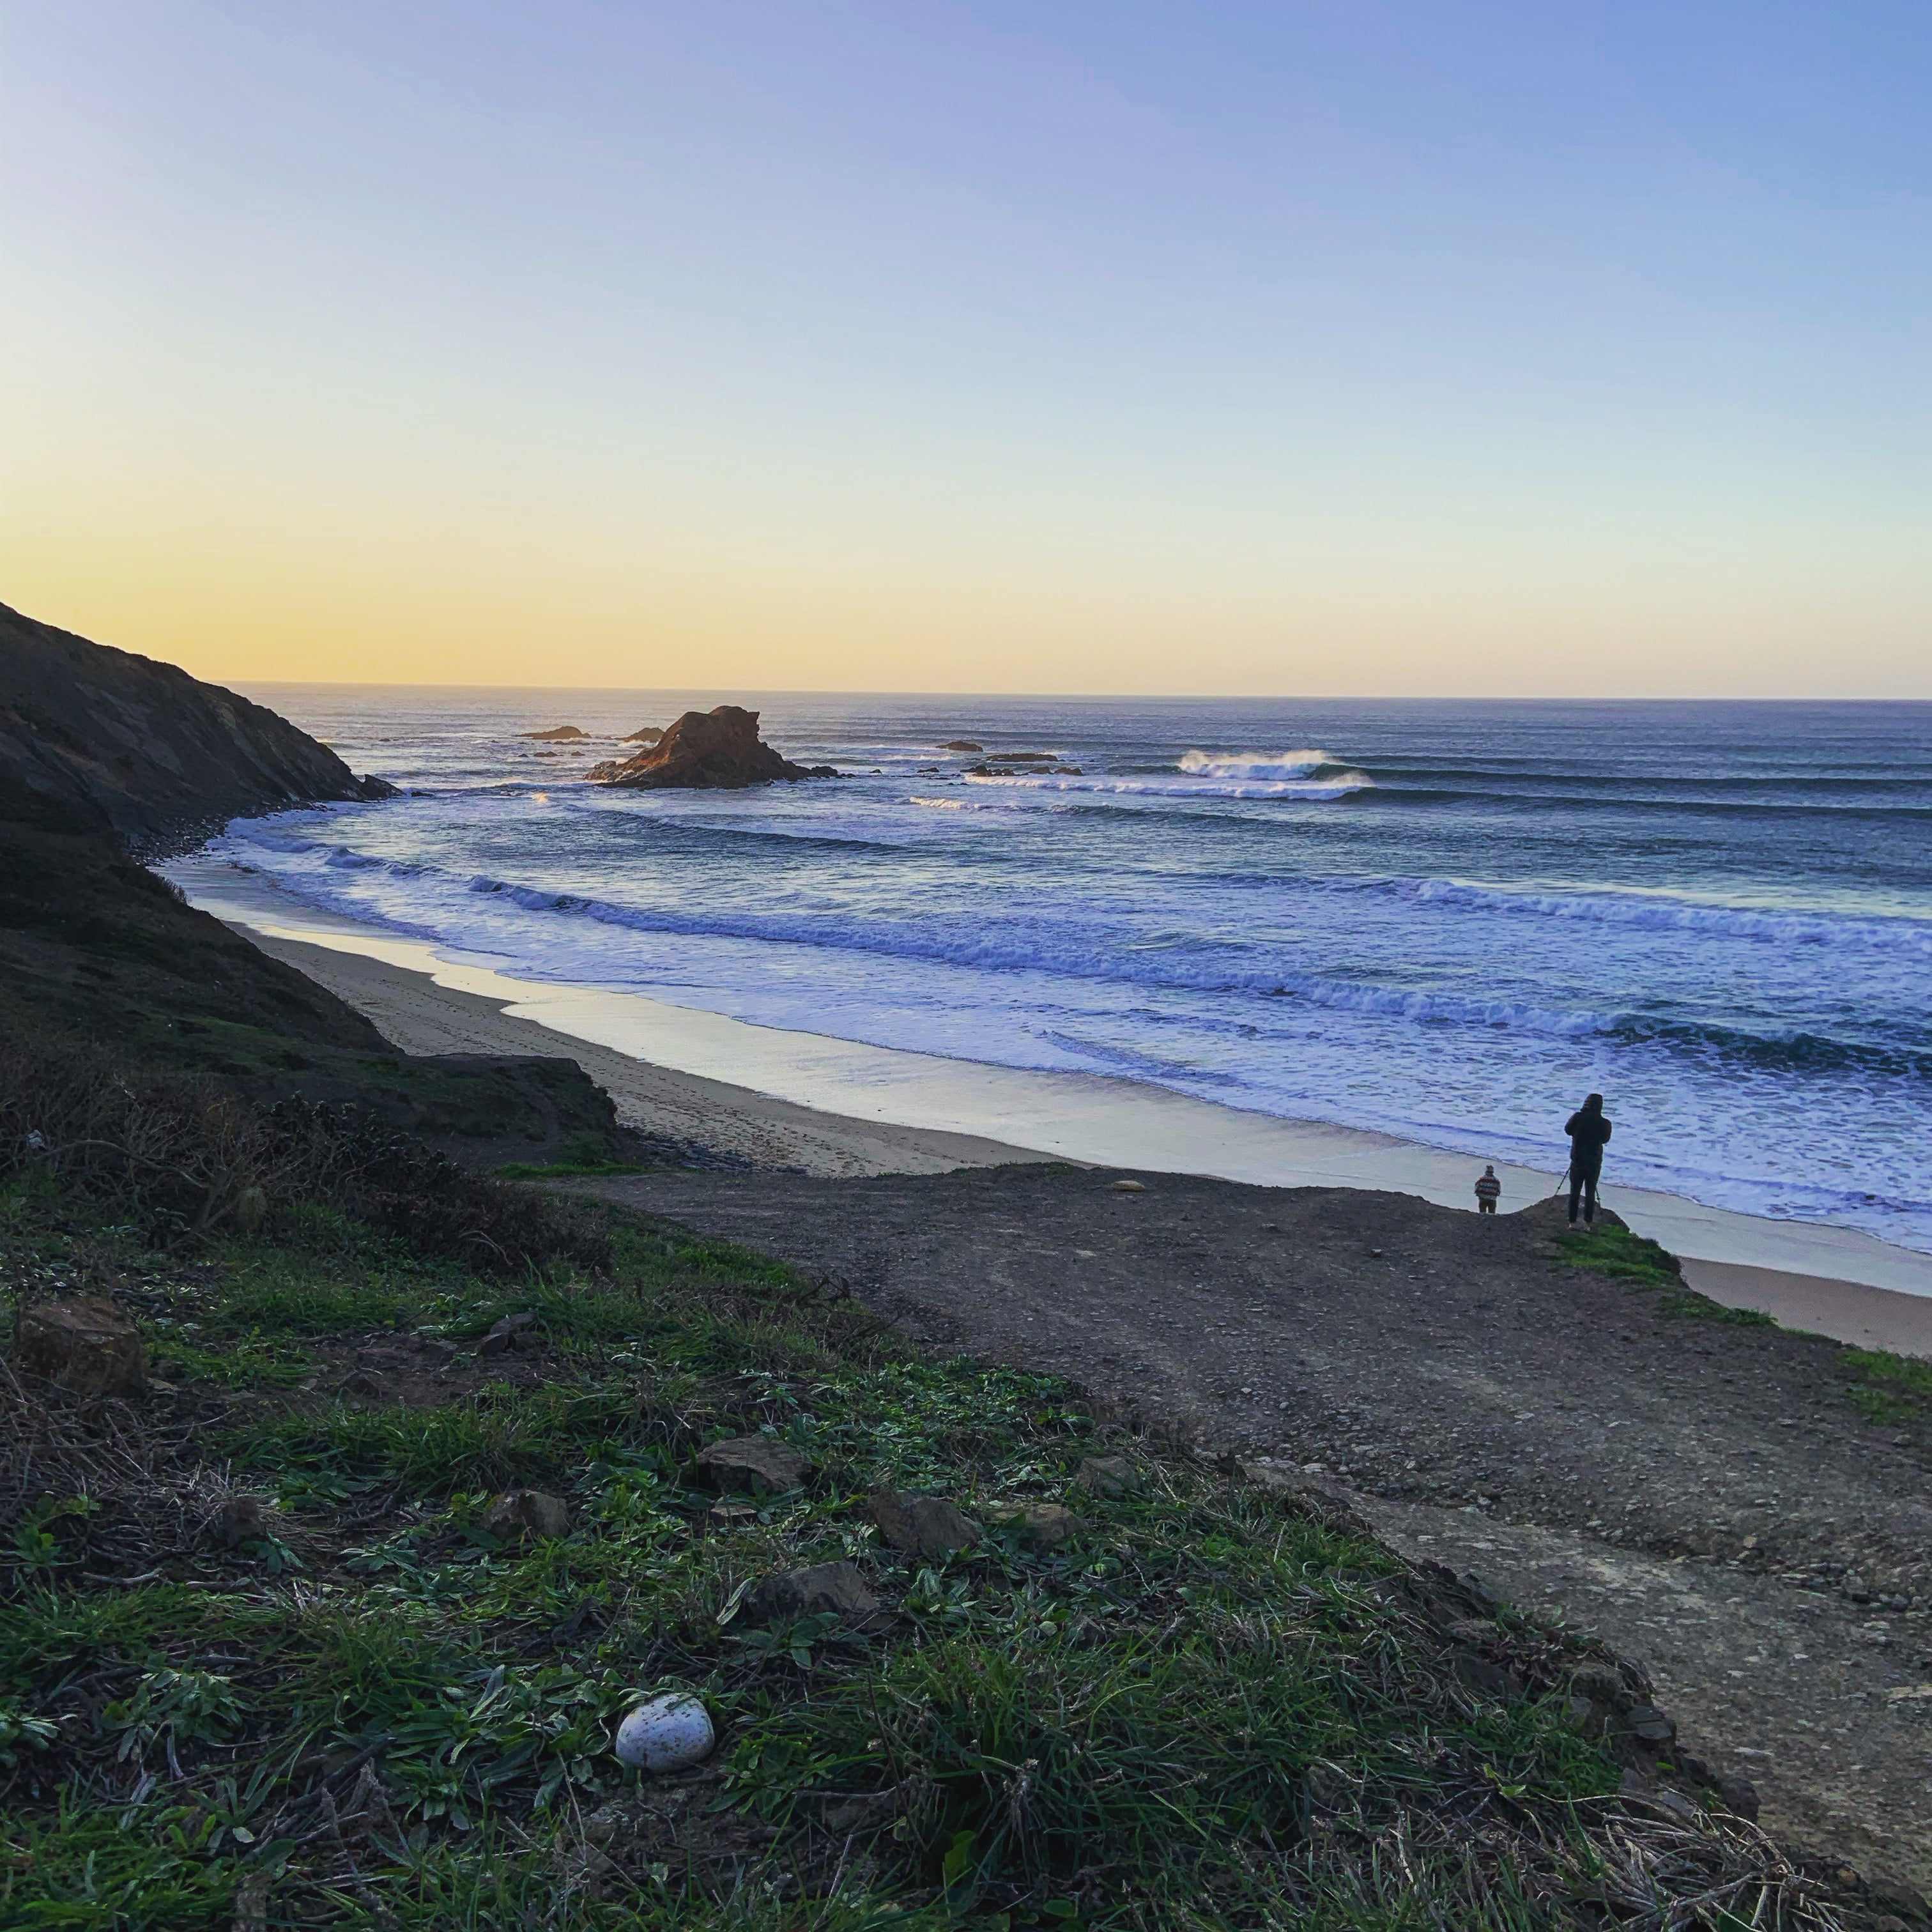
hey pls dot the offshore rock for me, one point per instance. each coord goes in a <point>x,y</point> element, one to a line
<point>556,735</point>
<point>715,750</point>
<point>645,734</point>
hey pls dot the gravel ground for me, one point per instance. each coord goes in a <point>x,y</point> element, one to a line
<point>1703,1494</point>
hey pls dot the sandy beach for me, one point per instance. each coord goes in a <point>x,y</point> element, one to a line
<point>832,1109</point>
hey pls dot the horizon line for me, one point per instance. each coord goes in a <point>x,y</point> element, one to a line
<point>1081,696</point>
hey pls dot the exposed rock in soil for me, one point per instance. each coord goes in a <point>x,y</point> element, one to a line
<point>755,1462</point>
<point>502,1335</point>
<point>717,750</point>
<point>87,1345</point>
<point>518,1514</point>
<point>1045,1525</point>
<point>928,1526</point>
<point>834,1587</point>
<point>1110,1476</point>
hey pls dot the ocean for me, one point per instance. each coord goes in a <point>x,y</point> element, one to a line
<point>1446,921</point>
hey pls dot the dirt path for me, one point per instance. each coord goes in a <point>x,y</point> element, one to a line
<point>1705,1495</point>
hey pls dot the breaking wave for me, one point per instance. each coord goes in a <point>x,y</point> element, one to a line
<point>1155,785</point>
<point>1254,764</point>
<point>1660,913</point>
<point>1067,949</point>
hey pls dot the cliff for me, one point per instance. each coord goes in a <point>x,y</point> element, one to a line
<point>88,734</point>
<point>716,750</point>
<point>104,755</point>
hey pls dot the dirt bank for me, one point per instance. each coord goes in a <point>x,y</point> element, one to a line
<point>1705,1495</point>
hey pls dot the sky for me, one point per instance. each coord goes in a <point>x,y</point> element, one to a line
<point>1447,347</point>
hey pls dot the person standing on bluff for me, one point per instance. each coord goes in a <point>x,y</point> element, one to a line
<point>1589,1131</point>
<point>1488,1191</point>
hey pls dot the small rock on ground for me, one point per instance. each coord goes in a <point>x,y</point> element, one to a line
<point>928,1526</point>
<point>517,1514</point>
<point>834,1587</point>
<point>87,1345</point>
<point>755,1463</point>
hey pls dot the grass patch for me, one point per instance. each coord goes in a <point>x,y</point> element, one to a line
<point>562,1170</point>
<point>1209,1709</point>
<point>581,1155</point>
<point>1686,1304</point>
<point>297,1294</point>
<point>497,1438</point>
<point>1618,1252</point>
<point>1624,1256</point>
<point>1889,1388</point>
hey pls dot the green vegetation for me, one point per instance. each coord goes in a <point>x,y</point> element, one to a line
<point>1213,1708</point>
<point>1619,1253</point>
<point>1686,1304</point>
<point>1889,1388</point>
<point>580,1155</point>
<point>562,1170</point>
<point>1624,1256</point>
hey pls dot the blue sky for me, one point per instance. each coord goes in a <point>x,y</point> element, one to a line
<point>1446,347</point>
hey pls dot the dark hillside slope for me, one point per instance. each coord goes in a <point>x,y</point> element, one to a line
<point>104,755</point>
<point>95,948</point>
<point>164,758</point>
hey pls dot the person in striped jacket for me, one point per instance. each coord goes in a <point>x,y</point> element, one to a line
<point>1489,1192</point>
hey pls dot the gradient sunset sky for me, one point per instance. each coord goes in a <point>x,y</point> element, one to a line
<point>1431,347</point>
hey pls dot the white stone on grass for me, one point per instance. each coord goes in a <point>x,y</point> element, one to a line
<point>666,1733</point>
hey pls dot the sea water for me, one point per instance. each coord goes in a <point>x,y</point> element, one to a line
<point>1445,921</point>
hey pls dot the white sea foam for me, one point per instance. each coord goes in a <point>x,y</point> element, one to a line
<point>1757,1013</point>
<point>1157,785</point>
<point>1659,912</point>
<point>1254,764</point>
<point>1066,949</point>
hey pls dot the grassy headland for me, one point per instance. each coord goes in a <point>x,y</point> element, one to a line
<point>1209,1705</point>
<point>276,1651</point>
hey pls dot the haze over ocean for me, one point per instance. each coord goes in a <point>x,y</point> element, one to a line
<point>1443,920</point>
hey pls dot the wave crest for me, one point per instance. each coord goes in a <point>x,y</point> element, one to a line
<point>1254,764</point>
<point>1340,785</point>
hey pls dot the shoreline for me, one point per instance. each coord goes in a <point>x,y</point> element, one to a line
<point>836,1108</point>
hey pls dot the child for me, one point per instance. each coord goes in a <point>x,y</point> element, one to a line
<point>1488,1191</point>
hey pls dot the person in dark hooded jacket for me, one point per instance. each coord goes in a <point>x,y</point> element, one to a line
<point>1589,1131</point>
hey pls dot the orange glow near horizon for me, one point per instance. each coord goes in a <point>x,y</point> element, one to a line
<point>1219,351</point>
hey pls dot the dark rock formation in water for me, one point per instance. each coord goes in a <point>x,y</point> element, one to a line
<point>718,750</point>
<point>961,745</point>
<point>1028,770</point>
<point>90,734</point>
<point>556,735</point>
<point>645,734</point>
